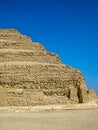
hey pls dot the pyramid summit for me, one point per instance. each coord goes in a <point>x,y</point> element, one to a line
<point>29,75</point>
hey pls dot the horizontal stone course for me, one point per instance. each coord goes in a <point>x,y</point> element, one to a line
<point>37,71</point>
<point>14,35</point>
<point>7,44</point>
<point>28,55</point>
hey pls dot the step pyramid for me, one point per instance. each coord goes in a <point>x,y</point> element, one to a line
<point>29,75</point>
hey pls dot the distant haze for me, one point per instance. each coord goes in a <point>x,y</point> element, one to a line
<point>66,27</point>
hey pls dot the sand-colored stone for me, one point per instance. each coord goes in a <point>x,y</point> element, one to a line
<point>29,75</point>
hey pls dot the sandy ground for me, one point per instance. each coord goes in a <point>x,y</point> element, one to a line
<point>80,119</point>
<point>55,107</point>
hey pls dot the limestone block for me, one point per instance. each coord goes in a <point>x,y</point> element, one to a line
<point>73,95</point>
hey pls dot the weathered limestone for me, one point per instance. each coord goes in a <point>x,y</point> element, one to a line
<point>29,75</point>
<point>28,55</point>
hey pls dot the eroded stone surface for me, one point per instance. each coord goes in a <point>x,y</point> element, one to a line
<point>29,75</point>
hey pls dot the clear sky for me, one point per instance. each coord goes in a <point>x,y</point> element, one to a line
<point>66,27</point>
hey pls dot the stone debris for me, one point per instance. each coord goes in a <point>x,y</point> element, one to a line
<point>29,75</point>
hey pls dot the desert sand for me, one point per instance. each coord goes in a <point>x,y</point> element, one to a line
<point>76,119</point>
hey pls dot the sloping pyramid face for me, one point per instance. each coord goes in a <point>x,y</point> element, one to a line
<point>29,75</point>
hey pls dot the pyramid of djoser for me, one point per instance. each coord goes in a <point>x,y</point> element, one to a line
<point>29,75</point>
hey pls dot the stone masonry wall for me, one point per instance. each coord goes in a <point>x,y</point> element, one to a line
<point>29,75</point>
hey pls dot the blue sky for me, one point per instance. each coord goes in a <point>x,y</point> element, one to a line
<point>66,27</point>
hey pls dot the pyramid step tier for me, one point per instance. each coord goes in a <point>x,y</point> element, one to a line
<point>33,74</point>
<point>28,55</point>
<point>8,44</point>
<point>8,31</point>
<point>14,36</point>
